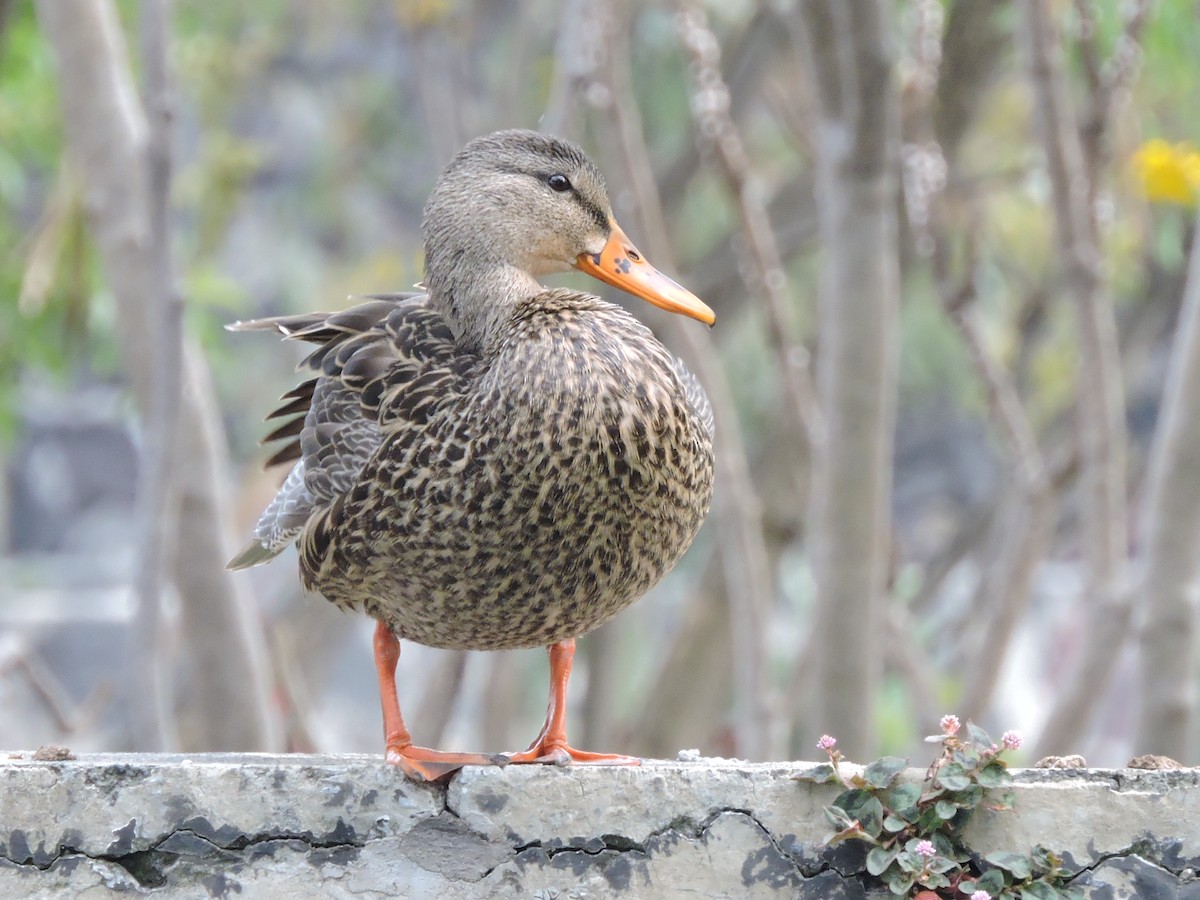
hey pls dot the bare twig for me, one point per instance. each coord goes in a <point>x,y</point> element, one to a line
<point>905,658</point>
<point>847,47</point>
<point>1087,40</point>
<point>964,541</point>
<point>605,674</point>
<point>1171,522</point>
<point>738,514</point>
<point>150,714</point>
<point>1022,526</point>
<point>717,276</point>
<point>438,85</point>
<point>697,664</point>
<point>576,60</point>
<point>721,142</point>
<point>69,717</point>
<point>441,691</point>
<point>1101,395</point>
<point>1107,82</point>
<point>974,50</point>
<point>299,708</point>
<point>51,691</point>
<point>107,134</point>
<point>748,56</point>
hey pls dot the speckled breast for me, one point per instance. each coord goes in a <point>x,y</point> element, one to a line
<point>566,479</point>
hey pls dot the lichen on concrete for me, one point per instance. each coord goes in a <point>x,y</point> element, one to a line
<point>251,825</point>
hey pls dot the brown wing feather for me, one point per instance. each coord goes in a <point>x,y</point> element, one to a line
<point>332,421</point>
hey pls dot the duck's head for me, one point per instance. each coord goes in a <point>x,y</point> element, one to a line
<point>517,205</point>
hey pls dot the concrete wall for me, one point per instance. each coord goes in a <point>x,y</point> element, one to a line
<point>252,826</point>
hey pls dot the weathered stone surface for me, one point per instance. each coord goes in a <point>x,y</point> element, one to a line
<point>349,826</point>
<point>1089,814</point>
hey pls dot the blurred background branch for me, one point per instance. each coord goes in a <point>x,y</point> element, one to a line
<point>858,302</point>
<point>967,222</point>
<point>1101,396</point>
<point>153,724</point>
<point>108,137</point>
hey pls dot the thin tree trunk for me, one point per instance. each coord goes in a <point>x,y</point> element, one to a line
<point>686,707</point>
<point>107,137</point>
<point>1101,407</point>
<point>1022,526</point>
<point>441,691</point>
<point>737,510</point>
<point>149,714</point>
<point>847,47</point>
<point>719,135</point>
<point>601,651</point>
<point>1170,573</point>
<point>1022,529</point>
<point>977,42</point>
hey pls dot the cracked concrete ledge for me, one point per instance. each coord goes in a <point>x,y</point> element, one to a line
<point>248,825</point>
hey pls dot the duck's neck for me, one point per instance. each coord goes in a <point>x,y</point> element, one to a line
<point>476,302</point>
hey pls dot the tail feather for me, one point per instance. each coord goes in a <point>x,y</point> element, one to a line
<point>324,417</point>
<point>253,554</point>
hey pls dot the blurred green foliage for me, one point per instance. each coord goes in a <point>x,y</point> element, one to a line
<point>41,322</point>
<point>229,57</point>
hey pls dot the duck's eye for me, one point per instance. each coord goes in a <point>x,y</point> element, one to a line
<point>559,183</point>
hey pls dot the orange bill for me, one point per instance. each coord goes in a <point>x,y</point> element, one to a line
<point>622,265</point>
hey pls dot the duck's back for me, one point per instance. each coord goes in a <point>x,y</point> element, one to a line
<point>512,497</point>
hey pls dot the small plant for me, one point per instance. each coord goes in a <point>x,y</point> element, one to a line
<point>915,830</point>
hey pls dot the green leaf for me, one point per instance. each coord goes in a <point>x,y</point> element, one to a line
<point>899,883</point>
<point>1045,860</point>
<point>978,736</point>
<point>822,774</point>
<point>849,801</point>
<point>969,798</point>
<point>935,880</point>
<point>870,817</point>
<point>881,773</point>
<point>902,799</point>
<point>929,821</point>
<point>953,777</point>
<point>942,864</point>
<point>880,858</point>
<point>968,757</point>
<point>1016,863</point>
<point>945,809</point>
<point>992,881</point>
<point>838,817</point>
<point>893,823</point>
<point>994,775</point>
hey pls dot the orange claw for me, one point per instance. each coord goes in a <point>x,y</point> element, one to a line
<point>418,763</point>
<point>423,764</point>
<point>550,746</point>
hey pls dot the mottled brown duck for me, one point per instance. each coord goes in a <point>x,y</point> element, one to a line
<point>493,464</point>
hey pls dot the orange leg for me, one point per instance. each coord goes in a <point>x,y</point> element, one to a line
<point>418,763</point>
<point>550,746</point>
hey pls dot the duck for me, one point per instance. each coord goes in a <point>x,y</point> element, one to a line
<point>487,463</point>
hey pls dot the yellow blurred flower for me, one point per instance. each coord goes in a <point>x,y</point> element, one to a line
<point>1169,173</point>
<point>422,13</point>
